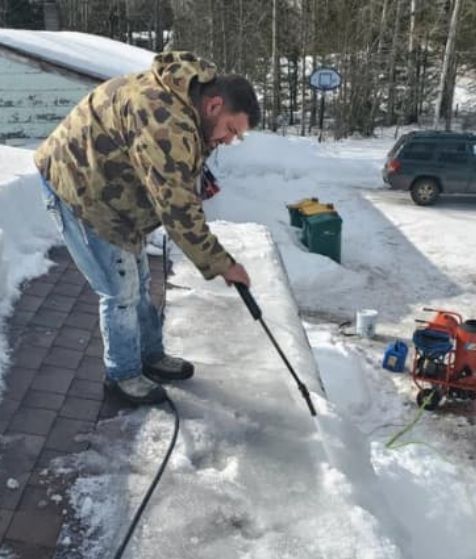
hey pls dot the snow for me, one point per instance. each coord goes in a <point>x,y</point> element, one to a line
<point>465,92</point>
<point>12,483</point>
<point>252,477</point>
<point>429,483</point>
<point>27,233</point>
<point>94,55</point>
<point>247,448</point>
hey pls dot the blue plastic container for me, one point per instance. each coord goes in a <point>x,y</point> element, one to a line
<point>395,356</point>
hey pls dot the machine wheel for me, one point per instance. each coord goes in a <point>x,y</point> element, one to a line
<point>425,192</point>
<point>429,398</point>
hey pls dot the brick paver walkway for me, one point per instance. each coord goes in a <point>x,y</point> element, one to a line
<point>54,395</point>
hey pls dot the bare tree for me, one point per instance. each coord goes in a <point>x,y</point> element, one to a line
<point>304,86</point>
<point>386,50</point>
<point>158,27</point>
<point>412,75</point>
<point>314,48</point>
<point>276,67</point>
<point>392,64</point>
<point>448,72</point>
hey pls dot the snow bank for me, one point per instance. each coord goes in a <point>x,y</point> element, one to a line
<point>428,484</point>
<point>290,158</point>
<point>391,259</point>
<point>27,231</point>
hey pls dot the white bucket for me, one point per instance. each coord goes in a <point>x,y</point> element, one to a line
<point>365,322</point>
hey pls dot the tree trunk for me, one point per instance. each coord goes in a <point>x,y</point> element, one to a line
<point>275,58</point>
<point>86,16</point>
<point>368,74</point>
<point>240,63</point>
<point>211,7</point>
<point>445,86</point>
<point>377,88</point>
<point>392,65</point>
<point>158,28</point>
<point>383,27</point>
<point>424,69</point>
<point>450,94</point>
<point>293,75</point>
<point>265,97</point>
<point>313,112</point>
<point>224,45</point>
<point>303,69</point>
<point>313,115</point>
<point>412,82</point>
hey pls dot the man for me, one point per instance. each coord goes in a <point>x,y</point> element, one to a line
<point>124,161</point>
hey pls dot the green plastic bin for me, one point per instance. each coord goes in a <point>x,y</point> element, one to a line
<point>321,234</point>
<point>295,216</point>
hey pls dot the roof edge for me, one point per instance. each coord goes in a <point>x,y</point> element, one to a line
<point>50,65</point>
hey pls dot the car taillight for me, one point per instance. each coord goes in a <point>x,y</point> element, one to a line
<point>393,166</point>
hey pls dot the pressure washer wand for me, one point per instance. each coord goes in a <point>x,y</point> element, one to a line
<point>256,313</point>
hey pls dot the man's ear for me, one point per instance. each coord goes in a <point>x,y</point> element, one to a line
<point>213,105</point>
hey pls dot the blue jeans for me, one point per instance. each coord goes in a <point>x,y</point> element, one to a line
<point>131,326</point>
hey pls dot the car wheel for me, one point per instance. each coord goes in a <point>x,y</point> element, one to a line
<point>425,192</point>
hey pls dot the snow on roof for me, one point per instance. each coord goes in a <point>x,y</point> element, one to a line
<point>99,57</point>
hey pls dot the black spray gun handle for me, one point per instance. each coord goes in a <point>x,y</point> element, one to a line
<point>255,311</point>
<point>249,300</point>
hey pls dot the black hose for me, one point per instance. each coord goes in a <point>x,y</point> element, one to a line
<point>120,551</point>
<point>342,327</point>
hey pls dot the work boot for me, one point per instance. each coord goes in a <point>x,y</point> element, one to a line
<point>168,368</point>
<point>136,390</point>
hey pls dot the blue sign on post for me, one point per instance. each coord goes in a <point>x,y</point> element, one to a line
<point>324,79</point>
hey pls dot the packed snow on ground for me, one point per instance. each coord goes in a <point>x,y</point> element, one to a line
<point>251,476</point>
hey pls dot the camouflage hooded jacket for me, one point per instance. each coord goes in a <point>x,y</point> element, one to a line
<point>127,157</point>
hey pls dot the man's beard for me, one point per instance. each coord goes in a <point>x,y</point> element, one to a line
<point>207,126</point>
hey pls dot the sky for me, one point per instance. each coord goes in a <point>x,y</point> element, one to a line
<point>252,476</point>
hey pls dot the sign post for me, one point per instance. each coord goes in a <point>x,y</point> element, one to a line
<point>324,79</point>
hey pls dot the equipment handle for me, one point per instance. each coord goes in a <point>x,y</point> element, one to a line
<point>449,313</point>
<point>255,311</point>
<point>249,300</point>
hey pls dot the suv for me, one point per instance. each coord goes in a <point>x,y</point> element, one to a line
<point>429,163</point>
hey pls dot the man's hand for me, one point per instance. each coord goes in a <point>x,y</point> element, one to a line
<point>236,274</point>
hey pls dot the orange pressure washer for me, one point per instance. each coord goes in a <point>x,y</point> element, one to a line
<point>445,358</point>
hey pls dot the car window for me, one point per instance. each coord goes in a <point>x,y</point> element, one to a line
<point>397,145</point>
<point>421,151</point>
<point>453,152</point>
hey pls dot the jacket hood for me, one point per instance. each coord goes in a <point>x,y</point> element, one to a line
<point>177,69</point>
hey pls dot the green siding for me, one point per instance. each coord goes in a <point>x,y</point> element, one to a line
<point>33,101</point>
